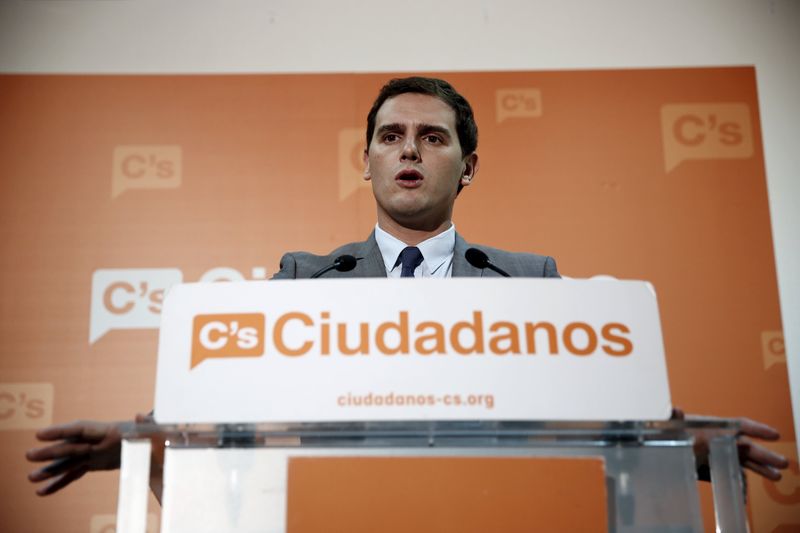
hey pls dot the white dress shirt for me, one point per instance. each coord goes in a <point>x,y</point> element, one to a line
<point>437,254</point>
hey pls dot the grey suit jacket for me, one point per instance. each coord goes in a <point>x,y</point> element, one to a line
<point>297,265</point>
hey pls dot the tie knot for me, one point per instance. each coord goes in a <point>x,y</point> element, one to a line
<point>410,258</point>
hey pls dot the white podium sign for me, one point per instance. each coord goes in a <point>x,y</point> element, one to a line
<point>429,349</point>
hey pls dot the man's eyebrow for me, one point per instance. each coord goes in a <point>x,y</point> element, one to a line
<point>385,128</point>
<point>432,128</point>
<point>423,129</point>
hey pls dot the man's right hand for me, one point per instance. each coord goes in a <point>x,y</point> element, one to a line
<point>77,447</point>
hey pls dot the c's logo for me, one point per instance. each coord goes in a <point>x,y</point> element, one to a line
<point>772,348</point>
<point>227,335</point>
<point>524,103</point>
<point>705,131</point>
<point>128,298</point>
<point>145,167</point>
<point>787,491</point>
<point>776,504</point>
<point>26,405</point>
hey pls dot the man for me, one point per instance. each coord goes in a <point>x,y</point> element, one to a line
<point>421,141</point>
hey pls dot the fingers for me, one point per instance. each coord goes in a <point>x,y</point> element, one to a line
<point>760,459</point>
<point>761,454</point>
<point>58,451</point>
<point>66,470</point>
<point>63,481</point>
<point>752,428</point>
<point>82,446</point>
<point>763,470</point>
<point>72,430</point>
<point>752,456</point>
<point>58,467</point>
<point>62,431</point>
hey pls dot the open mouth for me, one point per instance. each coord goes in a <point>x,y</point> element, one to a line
<point>409,178</point>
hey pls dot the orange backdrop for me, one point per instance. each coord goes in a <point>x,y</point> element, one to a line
<point>645,174</point>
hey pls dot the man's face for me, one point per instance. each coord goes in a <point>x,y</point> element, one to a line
<point>415,162</point>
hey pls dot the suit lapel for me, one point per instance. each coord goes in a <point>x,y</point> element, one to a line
<point>461,268</point>
<point>370,264</point>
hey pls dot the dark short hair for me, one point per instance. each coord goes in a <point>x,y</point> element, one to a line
<point>466,128</point>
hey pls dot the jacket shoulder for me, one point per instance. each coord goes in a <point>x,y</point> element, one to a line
<point>521,264</point>
<point>300,265</point>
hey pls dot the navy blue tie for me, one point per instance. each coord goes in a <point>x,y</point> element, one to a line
<point>410,258</point>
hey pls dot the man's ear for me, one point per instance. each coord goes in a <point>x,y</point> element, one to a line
<point>367,175</point>
<point>470,169</point>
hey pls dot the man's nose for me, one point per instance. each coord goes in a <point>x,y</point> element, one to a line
<point>410,151</point>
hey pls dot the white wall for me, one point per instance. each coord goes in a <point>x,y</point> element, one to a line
<point>350,36</point>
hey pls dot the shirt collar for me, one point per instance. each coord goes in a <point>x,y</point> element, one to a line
<point>436,251</point>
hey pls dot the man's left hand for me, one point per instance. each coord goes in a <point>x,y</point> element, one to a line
<point>752,456</point>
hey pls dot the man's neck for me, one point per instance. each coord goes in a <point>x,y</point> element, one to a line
<point>412,236</point>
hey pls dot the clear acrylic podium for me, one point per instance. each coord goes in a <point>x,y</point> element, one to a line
<point>651,480</point>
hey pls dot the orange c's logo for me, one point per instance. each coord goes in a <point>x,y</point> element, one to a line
<point>146,167</point>
<point>705,131</point>
<point>520,103</point>
<point>228,335</point>
<point>773,348</point>
<point>787,492</point>
<point>776,504</point>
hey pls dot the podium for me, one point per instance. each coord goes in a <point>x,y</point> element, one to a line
<point>422,394</point>
<point>233,477</point>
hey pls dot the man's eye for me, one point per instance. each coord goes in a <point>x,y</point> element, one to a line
<point>390,137</point>
<point>433,139</point>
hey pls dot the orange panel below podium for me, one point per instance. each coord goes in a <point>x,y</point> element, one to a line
<point>444,494</point>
